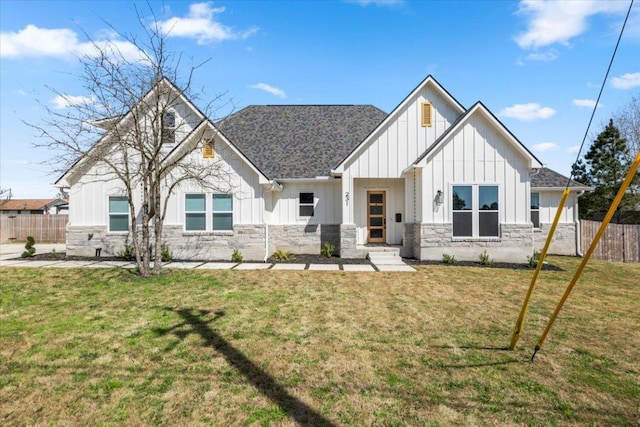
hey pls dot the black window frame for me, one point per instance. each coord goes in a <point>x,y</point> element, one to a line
<point>306,208</point>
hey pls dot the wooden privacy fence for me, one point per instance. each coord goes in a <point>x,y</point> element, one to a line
<point>43,228</point>
<point>620,242</point>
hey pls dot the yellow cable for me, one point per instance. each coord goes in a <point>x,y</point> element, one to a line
<point>592,247</point>
<point>517,330</point>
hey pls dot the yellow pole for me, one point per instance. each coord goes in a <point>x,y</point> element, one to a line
<point>596,239</point>
<point>517,330</point>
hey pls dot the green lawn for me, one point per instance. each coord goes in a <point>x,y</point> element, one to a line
<point>101,347</point>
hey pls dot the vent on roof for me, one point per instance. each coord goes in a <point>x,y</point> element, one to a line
<point>426,114</point>
<point>208,149</point>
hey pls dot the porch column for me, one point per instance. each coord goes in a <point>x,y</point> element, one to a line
<point>348,227</point>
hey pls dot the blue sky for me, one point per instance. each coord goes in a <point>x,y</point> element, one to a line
<point>537,65</point>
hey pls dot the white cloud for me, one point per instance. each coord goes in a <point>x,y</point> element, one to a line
<point>545,146</point>
<point>65,101</point>
<point>551,21</point>
<point>527,112</point>
<point>271,89</point>
<point>589,103</point>
<point>547,56</point>
<point>573,149</point>
<point>37,42</point>
<point>200,24</point>
<point>626,81</point>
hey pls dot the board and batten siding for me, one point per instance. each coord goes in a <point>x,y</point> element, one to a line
<point>327,209</point>
<point>476,154</point>
<point>394,147</point>
<point>549,202</point>
<point>89,197</point>
<point>235,177</point>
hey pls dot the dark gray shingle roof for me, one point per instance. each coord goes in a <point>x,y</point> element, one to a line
<point>299,141</point>
<point>551,179</point>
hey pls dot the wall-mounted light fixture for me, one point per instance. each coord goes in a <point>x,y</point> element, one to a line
<point>346,198</point>
<point>439,197</point>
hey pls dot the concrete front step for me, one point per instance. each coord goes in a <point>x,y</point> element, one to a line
<point>386,260</point>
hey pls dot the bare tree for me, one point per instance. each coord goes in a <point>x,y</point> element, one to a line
<point>125,129</point>
<point>627,120</point>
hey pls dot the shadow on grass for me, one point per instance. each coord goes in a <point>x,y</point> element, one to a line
<point>480,364</point>
<point>195,322</point>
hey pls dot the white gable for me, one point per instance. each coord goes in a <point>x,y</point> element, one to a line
<point>477,150</point>
<point>398,141</point>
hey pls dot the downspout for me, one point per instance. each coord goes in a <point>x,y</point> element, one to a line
<point>273,186</point>
<point>576,218</point>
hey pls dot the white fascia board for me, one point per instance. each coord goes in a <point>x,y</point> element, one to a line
<point>309,180</point>
<point>578,189</point>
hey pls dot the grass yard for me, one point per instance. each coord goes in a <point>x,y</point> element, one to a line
<point>101,347</point>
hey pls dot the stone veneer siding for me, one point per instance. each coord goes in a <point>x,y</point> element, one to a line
<point>216,245</point>
<point>212,246</point>
<point>433,240</point>
<point>564,240</point>
<point>348,242</point>
<point>303,239</point>
<point>84,240</point>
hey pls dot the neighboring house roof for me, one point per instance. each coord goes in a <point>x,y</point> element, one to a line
<point>548,178</point>
<point>299,141</point>
<point>29,204</point>
<point>479,107</point>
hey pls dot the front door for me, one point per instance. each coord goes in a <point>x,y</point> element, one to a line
<point>376,222</point>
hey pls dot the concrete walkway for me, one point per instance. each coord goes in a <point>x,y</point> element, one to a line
<point>10,257</point>
<point>186,265</point>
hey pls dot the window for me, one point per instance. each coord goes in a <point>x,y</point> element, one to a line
<point>462,210</point>
<point>222,212</point>
<point>306,204</point>
<point>195,212</point>
<point>118,213</point>
<point>475,210</point>
<point>169,127</point>
<point>488,211</point>
<point>201,215</point>
<point>535,209</point>
<point>426,114</point>
<point>208,149</point>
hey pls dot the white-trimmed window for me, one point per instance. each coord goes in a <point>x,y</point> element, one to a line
<point>169,127</point>
<point>195,208</point>
<point>535,209</point>
<point>222,212</point>
<point>306,205</point>
<point>475,210</point>
<point>208,212</point>
<point>118,213</point>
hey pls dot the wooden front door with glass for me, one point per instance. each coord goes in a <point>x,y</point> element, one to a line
<point>376,221</point>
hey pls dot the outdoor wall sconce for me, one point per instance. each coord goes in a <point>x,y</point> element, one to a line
<point>346,198</point>
<point>439,197</point>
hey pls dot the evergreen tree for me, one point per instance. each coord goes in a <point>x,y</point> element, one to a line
<point>605,167</point>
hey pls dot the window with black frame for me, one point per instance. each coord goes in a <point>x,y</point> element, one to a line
<point>475,210</point>
<point>306,205</point>
<point>535,209</point>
